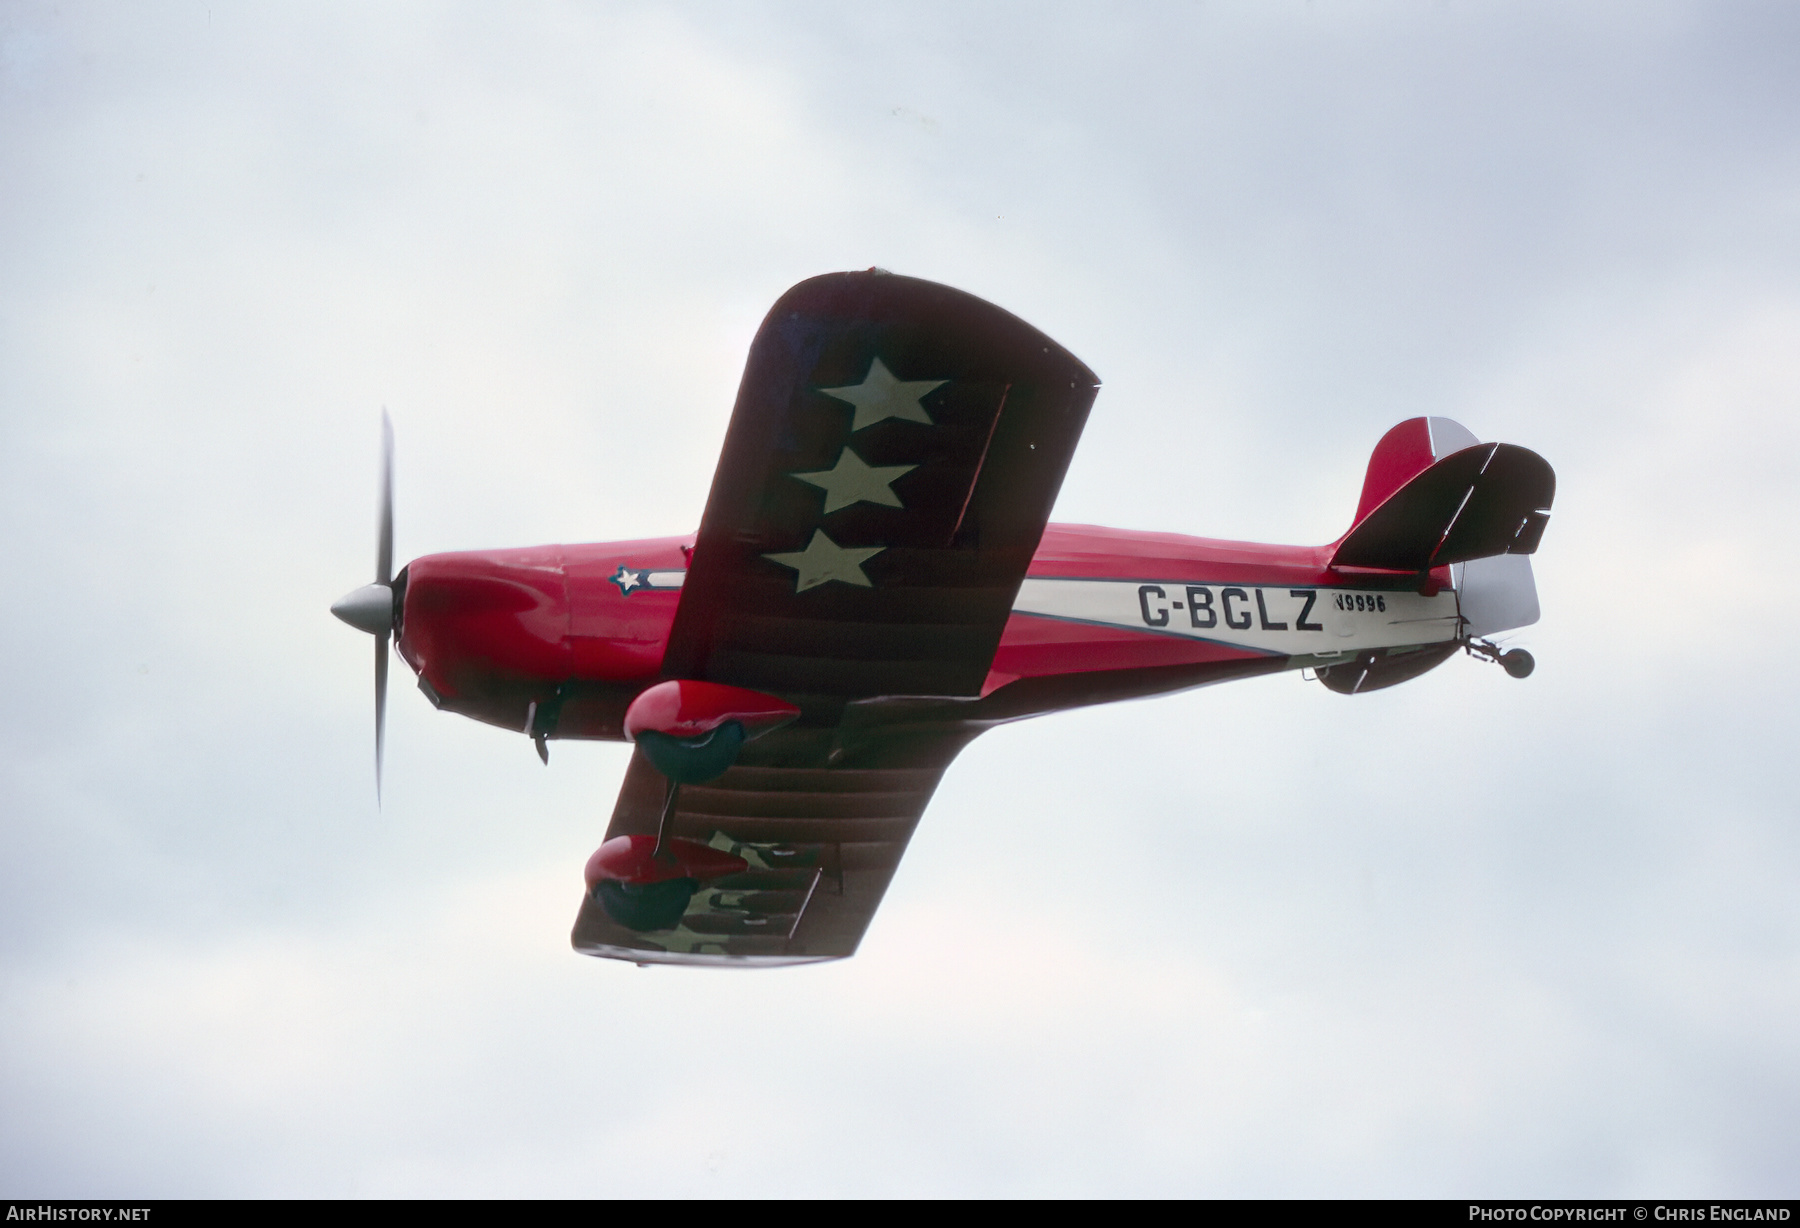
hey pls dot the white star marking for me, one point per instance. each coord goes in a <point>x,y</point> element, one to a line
<point>882,396</point>
<point>853,480</point>
<point>824,560</point>
<point>627,579</point>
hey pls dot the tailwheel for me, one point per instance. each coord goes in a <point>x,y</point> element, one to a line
<point>1515,661</point>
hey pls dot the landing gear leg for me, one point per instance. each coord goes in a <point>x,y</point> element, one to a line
<point>541,719</point>
<point>666,825</point>
<point>1516,662</point>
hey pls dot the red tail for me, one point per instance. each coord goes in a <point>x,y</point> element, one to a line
<point>1434,495</point>
<point>1402,455</point>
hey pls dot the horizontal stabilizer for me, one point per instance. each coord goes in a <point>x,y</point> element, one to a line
<point>1493,498</point>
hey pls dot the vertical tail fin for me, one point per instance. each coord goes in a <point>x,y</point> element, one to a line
<point>1496,593</point>
<point>1404,453</point>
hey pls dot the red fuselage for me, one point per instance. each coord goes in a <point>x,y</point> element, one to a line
<point>496,634</point>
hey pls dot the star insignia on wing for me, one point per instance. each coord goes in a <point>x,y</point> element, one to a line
<point>628,579</point>
<point>880,396</point>
<point>853,480</point>
<point>824,560</point>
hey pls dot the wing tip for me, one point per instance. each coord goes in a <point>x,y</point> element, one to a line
<point>643,957</point>
<point>875,281</point>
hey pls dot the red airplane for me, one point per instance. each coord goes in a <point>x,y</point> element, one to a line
<point>875,582</point>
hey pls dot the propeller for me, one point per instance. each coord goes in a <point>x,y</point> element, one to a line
<point>371,607</point>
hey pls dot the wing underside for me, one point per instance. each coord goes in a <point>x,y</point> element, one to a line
<point>822,832</point>
<point>823,813</point>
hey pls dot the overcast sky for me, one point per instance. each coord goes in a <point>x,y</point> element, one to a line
<point>1470,936</point>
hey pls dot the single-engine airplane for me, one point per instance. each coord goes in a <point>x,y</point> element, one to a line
<point>875,582</point>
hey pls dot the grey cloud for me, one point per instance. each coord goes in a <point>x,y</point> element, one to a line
<point>1465,937</point>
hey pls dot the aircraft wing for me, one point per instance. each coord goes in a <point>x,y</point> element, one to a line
<point>891,462</point>
<point>822,824</point>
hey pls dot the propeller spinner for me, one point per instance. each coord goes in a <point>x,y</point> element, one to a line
<point>371,607</point>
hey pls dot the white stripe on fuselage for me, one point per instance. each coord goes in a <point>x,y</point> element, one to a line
<point>1262,618</point>
<point>1259,618</point>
